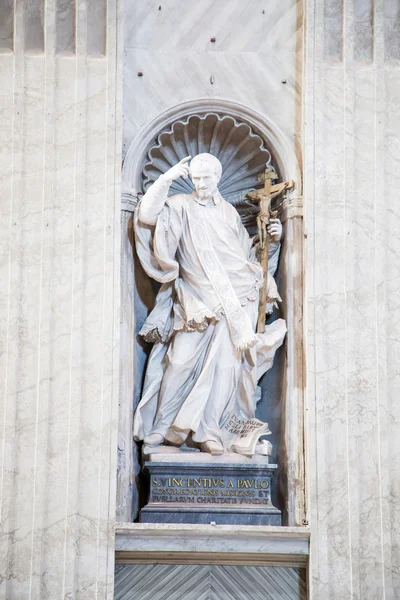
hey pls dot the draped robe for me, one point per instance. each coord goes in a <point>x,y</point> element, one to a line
<point>206,359</point>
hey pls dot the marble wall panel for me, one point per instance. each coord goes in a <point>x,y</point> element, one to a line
<point>205,582</point>
<point>388,336</point>
<point>65,25</point>
<point>363,30</point>
<point>392,29</point>
<point>34,16</point>
<point>172,48</point>
<point>6,25</point>
<point>352,127</point>
<point>97,30</point>
<point>59,311</point>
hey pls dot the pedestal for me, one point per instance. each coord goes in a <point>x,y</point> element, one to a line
<point>188,487</point>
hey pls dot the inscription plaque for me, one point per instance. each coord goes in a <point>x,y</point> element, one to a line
<point>205,493</point>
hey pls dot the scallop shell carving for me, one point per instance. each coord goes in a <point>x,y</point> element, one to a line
<point>242,153</point>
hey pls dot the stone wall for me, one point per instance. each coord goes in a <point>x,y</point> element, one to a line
<point>60,103</point>
<point>59,298</point>
<point>351,166</point>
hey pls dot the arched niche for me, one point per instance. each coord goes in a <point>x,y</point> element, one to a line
<point>244,141</point>
<point>274,139</point>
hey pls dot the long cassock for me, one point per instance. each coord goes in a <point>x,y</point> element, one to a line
<point>206,359</point>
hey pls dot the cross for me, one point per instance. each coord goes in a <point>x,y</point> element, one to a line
<point>264,198</point>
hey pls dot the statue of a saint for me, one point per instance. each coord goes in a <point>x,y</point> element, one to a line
<point>202,374</point>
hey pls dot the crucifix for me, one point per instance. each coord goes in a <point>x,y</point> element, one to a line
<point>264,198</point>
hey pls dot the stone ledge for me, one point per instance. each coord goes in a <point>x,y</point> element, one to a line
<point>211,544</point>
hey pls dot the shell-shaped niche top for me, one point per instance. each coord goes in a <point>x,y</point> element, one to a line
<point>241,151</point>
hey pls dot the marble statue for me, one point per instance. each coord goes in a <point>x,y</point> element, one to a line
<point>201,379</point>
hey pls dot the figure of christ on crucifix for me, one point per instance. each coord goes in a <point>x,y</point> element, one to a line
<point>202,373</point>
<point>267,226</point>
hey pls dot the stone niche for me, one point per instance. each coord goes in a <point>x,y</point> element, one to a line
<point>245,143</point>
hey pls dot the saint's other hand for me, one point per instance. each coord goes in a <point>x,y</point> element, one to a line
<point>275,230</point>
<point>179,170</point>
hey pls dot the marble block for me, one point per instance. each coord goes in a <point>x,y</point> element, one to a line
<point>210,490</point>
<point>193,455</point>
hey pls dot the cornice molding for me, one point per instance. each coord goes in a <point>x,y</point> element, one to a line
<point>212,544</point>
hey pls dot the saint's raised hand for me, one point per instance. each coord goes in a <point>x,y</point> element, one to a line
<point>179,170</point>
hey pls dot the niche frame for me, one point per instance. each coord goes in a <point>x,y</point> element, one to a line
<point>292,456</point>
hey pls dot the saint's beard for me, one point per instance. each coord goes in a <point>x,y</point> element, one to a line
<point>206,194</point>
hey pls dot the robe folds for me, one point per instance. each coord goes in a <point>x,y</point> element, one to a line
<point>206,359</point>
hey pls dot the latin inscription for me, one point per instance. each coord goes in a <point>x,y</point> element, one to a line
<point>243,428</point>
<point>208,490</point>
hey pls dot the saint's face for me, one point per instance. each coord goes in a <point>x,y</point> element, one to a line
<point>204,180</point>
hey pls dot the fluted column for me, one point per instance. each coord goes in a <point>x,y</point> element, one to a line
<point>352,209</point>
<point>59,299</point>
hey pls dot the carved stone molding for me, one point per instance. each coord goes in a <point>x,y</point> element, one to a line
<point>290,207</point>
<point>143,543</point>
<point>129,200</point>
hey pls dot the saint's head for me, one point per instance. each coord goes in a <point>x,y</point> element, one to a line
<point>205,172</point>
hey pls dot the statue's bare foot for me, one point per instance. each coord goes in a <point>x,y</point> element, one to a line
<point>212,447</point>
<point>153,439</point>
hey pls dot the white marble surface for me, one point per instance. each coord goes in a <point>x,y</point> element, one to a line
<point>59,323</point>
<point>173,50</point>
<point>353,280</point>
<point>145,538</point>
<point>191,456</point>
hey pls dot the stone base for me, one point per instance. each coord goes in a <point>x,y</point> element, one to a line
<point>210,492</point>
<point>172,454</point>
<point>150,514</point>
